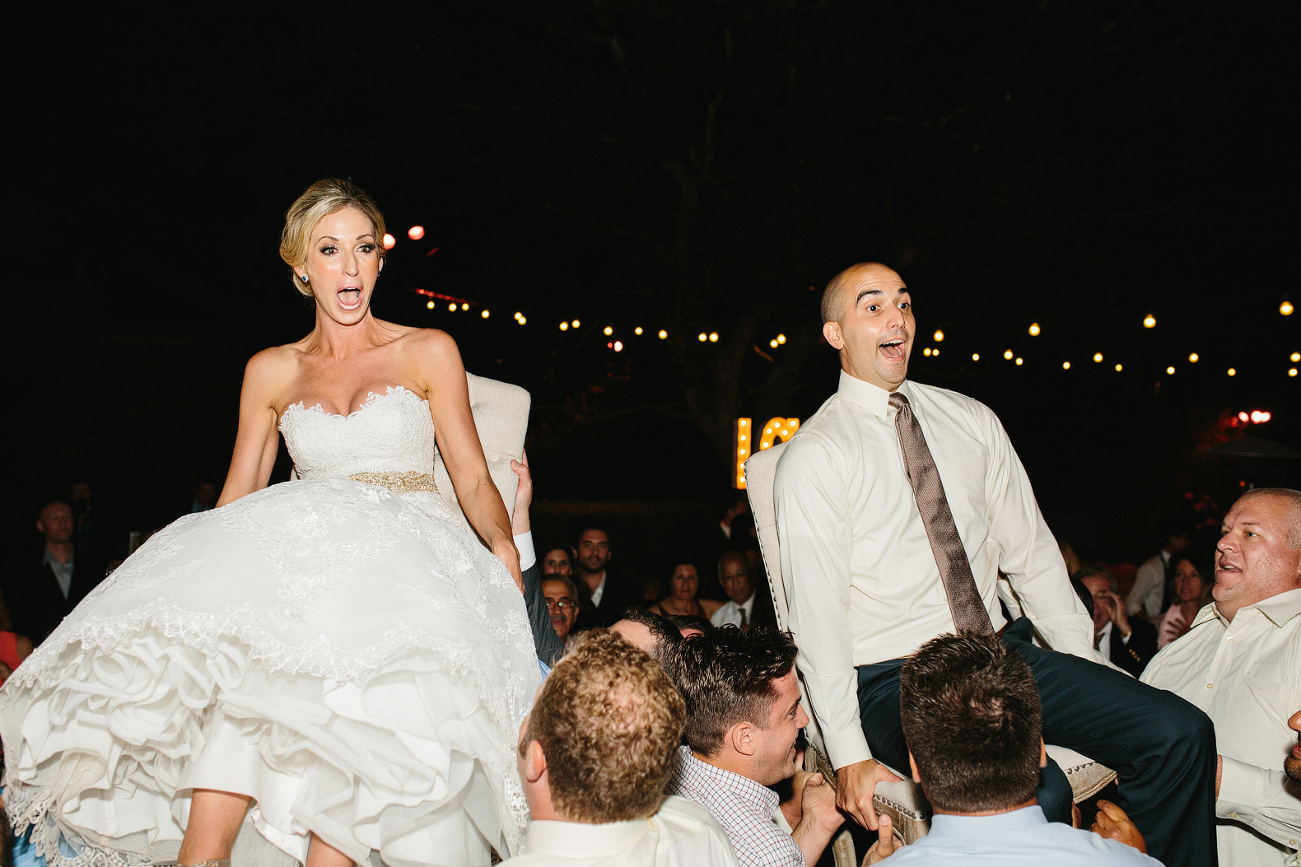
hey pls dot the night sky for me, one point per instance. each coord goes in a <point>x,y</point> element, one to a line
<point>681,166</point>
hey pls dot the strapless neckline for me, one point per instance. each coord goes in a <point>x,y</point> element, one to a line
<point>372,397</point>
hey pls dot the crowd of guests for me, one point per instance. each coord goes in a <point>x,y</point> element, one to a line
<point>669,730</point>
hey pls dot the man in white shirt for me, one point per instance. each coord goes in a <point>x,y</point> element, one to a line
<point>594,756</point>
<point>865,589</point>
<point>745,607</point>
<point>1241,663</point>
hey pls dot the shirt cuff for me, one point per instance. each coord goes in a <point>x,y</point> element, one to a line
<point>846,747</point>
<point>527,556</point>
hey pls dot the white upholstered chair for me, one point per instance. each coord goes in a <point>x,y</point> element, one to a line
<point>903,800</point>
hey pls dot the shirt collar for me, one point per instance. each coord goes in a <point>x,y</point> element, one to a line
<point>51,560</point>
<point>1278,609</point>
<point>699,774</point>
<point>870,397</point>
<point>568,838</point>
<point>945,824</point>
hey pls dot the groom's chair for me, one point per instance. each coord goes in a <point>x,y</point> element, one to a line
<point>903,801</point>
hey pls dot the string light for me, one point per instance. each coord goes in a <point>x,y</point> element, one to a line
<point>429,305</point>
<point>975,356</point>
<point>1170,371</point>
<point>1034,329</point>
<point>1296,356</point>
<point>1119,368</point>
<point>637,331</point>
<point>935,351</point>
<point>1066,365</point>
<point>523,320</point>
<point>1232,372</point>
<point>1007,353</point>
<point>713,337</point>
<point>1193,357</point>
<point>1149,321</point>
<point>663,334</point>
<point>564,326</point>
<point>575,323</point>
<point>389,241</point>
<point>927,352</point>
<point>484,314</point>
<point>1019,361</point>
<point>772,343</point>
<point>1286,307</point>
<point>702,337</point>
<point>618,346</point>
<point>938,336</point>
<point>608,331</point>
<point>1097,357</point>
<point>465,306</point>
<point>781,338</point>
<point>415,233</point>
<point>451,307</point>
<point>1291,371</point>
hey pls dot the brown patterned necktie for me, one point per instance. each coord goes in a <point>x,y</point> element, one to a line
<point>968,611</point>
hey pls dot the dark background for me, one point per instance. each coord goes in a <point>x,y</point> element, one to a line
<point>702,166</point>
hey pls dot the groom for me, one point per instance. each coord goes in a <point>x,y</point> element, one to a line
<point>869,581</point>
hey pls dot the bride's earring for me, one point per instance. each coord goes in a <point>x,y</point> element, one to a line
<point>302,277</point>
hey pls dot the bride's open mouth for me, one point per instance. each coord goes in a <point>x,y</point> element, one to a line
<point>350,298</point>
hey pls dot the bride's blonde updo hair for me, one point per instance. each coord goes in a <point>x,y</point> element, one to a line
<point>320,200</point>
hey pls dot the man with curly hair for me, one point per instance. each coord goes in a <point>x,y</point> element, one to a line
<point>595,754</point>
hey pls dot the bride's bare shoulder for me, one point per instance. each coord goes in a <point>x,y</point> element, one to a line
<point>273,367</point>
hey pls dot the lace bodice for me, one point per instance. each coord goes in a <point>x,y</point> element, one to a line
<point>390,433</point>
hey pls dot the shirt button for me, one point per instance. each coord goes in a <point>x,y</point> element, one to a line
<point>1230,639</point>
<point>1210,686</point>
<point>1233,815</point>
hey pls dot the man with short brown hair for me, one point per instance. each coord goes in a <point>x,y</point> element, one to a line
<point>595,754</point>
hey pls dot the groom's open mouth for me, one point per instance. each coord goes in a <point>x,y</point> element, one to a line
<point>894,348</point>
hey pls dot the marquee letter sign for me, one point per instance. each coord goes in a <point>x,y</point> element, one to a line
<point>777,430</point>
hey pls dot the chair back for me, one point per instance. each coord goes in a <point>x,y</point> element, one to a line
<point>501,416</point>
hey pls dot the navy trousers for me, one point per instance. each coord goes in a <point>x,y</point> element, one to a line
<point>1160,746</point>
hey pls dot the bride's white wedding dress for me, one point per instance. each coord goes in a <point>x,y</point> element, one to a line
<point>351,657</point>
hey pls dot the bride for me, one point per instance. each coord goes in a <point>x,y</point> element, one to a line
<point>337,657</point>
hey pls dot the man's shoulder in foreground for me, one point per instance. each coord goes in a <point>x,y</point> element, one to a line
<point>1020,837</point>
<point>682,833</point>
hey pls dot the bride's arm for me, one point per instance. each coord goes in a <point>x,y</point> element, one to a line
<point>442,371</point>
<point>257,440</point>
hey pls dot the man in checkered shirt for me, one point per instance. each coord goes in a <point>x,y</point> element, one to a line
<point>743,721</point>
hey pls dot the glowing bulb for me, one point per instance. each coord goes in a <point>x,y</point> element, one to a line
<point>1034,329</point>
<point>935,351</point>
<point>927,352</point>
<point>1019,361</point>
<point>1256,416</point>
<point>1008,354</point>
<point>1119,368</point>
<point>389,241</point>
<point>702,337</point>
<point>1149,321</point>
<point>1193,357</point>
<point>663,334</point>
<point>773,343</point>
<point>1170,371</point>
<point>575,323</point>
<point>523,319</point>
<point>618,346</point>
<point>975,356</point>
<point>637,331</point>
<point>1291,371</point>
<point>465,306</point>
<point>564,326</point>
<point>415,233</point>
<point>713,337</point>
<point>430,305</point>
<point>484,314</point>
<point>1066,365</point>
<point>1286,308</point>
<point>938,336</point>
<point>1232,372</point>
<point>608,331</point>
<point>781,338</point>
<point>1296,356</point>
<point>1097,356</point>
<point>451,307</point>
<point>1242,416</point>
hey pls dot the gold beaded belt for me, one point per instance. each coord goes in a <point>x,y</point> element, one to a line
<point>398,483</point>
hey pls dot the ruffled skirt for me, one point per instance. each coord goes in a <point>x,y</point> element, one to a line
<point>354,661</point>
